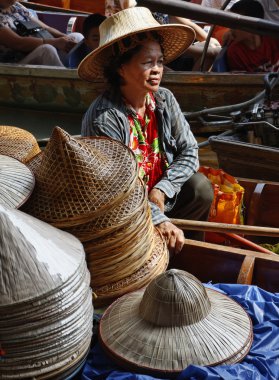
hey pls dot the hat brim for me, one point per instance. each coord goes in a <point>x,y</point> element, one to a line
<point>176,39</point>
<point>16,182</point>
<point>226,333</point>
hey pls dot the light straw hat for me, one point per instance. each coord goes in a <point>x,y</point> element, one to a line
<point>16,182</point>
<point>176,38</point>
<point>18,143</point>
<point>173,323</point>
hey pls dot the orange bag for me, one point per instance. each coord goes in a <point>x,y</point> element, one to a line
<point>228,200</point>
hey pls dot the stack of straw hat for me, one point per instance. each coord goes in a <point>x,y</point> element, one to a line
<point>173,323</point>
<point>46,307</point>
<point>18,143</point>
<point>90,188</point>
<point>16,182</point>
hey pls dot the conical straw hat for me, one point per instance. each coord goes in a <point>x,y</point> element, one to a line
<point>35,257</point>
<point>18,143</point>
<point>173,323</point>
<point>46,306</point>
<point>16,182</point>
<point>77,179</point>
<point>176,38</point>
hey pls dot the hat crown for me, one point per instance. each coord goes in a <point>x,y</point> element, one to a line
<point>125,22</point>
<point>174,298</point>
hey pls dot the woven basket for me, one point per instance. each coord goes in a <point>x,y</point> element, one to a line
<point>18,143</point>
<point>16,182</point>
<point>173,323</point>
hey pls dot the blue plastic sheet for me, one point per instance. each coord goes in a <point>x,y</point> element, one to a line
<point>262,362</point>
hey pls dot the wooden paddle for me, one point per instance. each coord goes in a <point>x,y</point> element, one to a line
<point>195,225</point>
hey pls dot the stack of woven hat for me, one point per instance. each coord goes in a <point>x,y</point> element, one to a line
<point>45,299</point>
<point>90,188</point>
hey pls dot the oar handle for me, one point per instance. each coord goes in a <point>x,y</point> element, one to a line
<point>195,225</point>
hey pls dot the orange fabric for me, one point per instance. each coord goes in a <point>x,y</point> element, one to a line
<point>228,199</point>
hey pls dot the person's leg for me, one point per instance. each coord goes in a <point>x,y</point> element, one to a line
<point>43,55</point>
<point>193,202</point>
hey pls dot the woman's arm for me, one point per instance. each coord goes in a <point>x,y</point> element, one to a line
<point>13,41</point>
<point>201,35</point>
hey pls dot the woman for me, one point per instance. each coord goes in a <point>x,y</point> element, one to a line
<point>31,50</point>
<point>135,110</point>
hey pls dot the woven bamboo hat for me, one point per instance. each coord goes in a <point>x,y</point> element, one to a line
<point>18,143</point>
<point>77,179</point>
<point>16,182</point>
<point>173,323</point>
<point>46,306</point>
<point>176,38</point>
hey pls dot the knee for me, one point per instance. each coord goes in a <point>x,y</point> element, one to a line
<point>203,191</point>
<point>77,37</point>
<point>47,50</point>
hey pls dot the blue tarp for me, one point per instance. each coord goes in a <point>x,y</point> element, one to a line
<point>262,362</point>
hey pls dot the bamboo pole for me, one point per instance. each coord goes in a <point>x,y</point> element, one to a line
<point>212,16</point>
<point>195,225</point>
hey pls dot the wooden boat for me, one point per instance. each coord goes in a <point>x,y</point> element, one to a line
<point>46,96</point>
<point>239,157</point>
<point>221,264</point>
<point>227,264</point>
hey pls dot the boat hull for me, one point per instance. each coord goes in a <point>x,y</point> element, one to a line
<point>43,93</point>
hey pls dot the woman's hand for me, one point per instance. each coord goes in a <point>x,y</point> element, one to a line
<point>158,197</point>
<point>173,236</point>
<point>62,43</point>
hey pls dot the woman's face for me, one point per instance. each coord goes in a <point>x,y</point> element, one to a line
<point>143,73</point>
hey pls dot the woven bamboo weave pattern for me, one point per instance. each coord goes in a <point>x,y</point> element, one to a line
<point>114,218</point>
<point>18,143</point>
<point>76,179</point>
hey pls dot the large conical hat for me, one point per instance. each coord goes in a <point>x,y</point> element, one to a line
<point>18,143</point>
<point>77,179</point>
<point>173,323</point>
<point>40,258</point>
<point>16,182</point>
<point>46,306</point>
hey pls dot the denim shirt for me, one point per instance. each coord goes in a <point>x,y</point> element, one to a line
<point>107,116</point>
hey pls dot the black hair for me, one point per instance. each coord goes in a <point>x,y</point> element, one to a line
<point>251,8</point>
<point>117,60</point>
<point>92,21</point>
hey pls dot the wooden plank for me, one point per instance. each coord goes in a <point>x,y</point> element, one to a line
<point>196,225</point>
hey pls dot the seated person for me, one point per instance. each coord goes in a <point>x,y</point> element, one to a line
<point>90,31</point>
<point>191,59</point>
<point>219,32</point>
<point>31,50</point>
<point>249,51</point>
